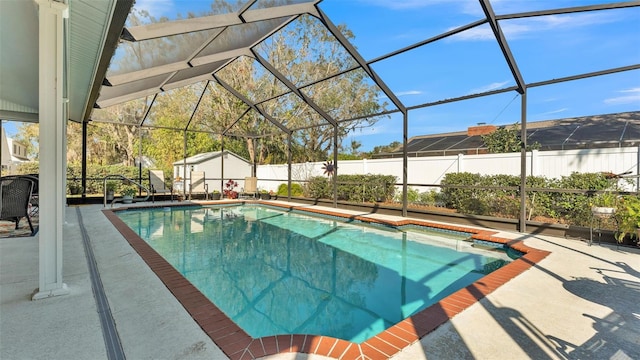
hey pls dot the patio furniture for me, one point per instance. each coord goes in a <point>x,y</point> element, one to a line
<point>598,214</point>
<point>250,186</point>
<point>34,201</point>
<point>157,184</point>
<point>198,184</point>
<point>15,192</point>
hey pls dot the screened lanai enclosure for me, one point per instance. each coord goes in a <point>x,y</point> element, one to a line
<point>282,82</point>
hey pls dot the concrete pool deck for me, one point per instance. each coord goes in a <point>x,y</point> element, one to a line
<point>579,302</point>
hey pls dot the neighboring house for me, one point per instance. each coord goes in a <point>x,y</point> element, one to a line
<point>587,132</point>
<point>235,167</point>
<point>13,153</point>
<point>5,156</point>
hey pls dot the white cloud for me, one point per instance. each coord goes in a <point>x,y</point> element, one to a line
<point>492,86</point>
<point>625,99</point>
<point>410,92</point>
<point>477,33</point>
<point>519,28</point>
<point>553,112</point>
<point>484,32</point>
<point>403,93</point>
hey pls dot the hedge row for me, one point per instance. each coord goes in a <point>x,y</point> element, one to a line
<point>473,194</point>
<point>356,188</point>
<point>95,176</point>
<point>480,195</point>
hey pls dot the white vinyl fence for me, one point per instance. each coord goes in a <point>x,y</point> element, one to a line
<point>430,170</point>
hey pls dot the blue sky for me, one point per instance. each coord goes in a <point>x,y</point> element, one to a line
<point>544,48</point>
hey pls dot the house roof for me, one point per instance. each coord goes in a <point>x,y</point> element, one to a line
<point>597,131</point>
<point>202,157</point>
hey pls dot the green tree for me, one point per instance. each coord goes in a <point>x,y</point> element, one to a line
<point>394,146</point>
<point>506,139</point>
<point>28,134</point>
<point>114,139</point>
<point>351,152</point>
<point>304,51</point>
<point>163,143</point>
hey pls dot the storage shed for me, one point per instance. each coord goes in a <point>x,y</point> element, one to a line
<point>235,167</point>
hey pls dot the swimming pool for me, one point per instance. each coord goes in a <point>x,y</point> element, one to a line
<point>280,272</point>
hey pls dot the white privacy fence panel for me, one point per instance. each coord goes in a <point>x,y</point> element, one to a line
<point>554,164</point>
<point>431,170</point>
<point>494,164</point>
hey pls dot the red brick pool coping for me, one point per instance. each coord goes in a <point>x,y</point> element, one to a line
<point>238,345</point>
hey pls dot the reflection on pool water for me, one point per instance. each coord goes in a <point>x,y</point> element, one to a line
<point>278,272</point>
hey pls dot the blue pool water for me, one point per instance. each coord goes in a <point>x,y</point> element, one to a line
<point>277,272</point>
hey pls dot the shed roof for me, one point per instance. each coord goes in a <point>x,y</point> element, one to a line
<point>202,157</point>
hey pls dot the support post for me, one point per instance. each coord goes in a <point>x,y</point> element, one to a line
<point>334,176</point>
<point>184,166</point>
<point>405,162</point>
<point>222,164</point>
<point>52,119</point>
<point>289,160</point>
<point>523,164</point>
<point>84,161</point>
<point>139,159</point>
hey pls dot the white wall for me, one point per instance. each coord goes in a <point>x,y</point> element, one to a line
<point>234,168</point>
<point>432,169</point>
<point>5,155</point>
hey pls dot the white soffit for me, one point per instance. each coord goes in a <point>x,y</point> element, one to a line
<point>88,24</point>
<point>18,60</point>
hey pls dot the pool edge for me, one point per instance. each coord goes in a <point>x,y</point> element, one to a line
<point>237,344</point>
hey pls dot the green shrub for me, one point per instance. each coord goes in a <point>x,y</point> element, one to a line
<point>296,190</point>
<point>95,176</point>
<point>354,188</point>
<point>31,167</point>
<point>430,197</point>
<point>465,200</point>
<point>413,195</point>
<point>576,207</point>
<point>496,195</point>
<point>539,202</point>
<point>366,188</point>
<point>319,187</point>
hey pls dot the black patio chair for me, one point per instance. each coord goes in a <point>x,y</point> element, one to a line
<point>16,194</point>
<point>35,200</point>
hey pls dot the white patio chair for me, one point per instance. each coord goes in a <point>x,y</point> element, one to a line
<point>157,184</point>
<point>198,185</point>
<point>250,186</point>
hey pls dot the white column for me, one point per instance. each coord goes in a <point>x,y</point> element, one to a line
<point>52,121</point>
<point>534,163</point>
<point>460,163</point>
